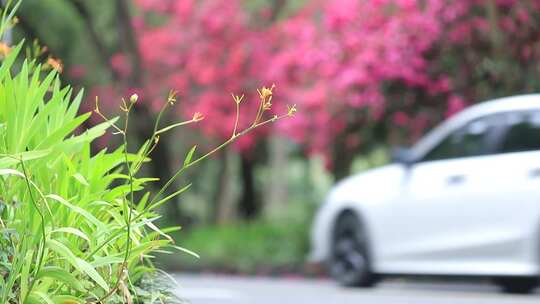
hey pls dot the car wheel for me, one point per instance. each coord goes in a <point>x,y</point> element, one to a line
<point>517,285</point>
<point>350,263</point>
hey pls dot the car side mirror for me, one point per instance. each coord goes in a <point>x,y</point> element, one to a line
<point>402,155</point>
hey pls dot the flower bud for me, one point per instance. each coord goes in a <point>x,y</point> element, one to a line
<point>134,98</point>
<point>197,116</point>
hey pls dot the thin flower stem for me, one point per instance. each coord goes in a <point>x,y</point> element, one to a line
<point>223,145</point>
<point>123,266</point>
<point>237,118</point>
<point>259,114</point>
<point>183,123</point>
<point>42,217</point>
<point>98,112</point>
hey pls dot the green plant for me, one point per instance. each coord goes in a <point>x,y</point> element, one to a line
<point>69,235</point>
<point>250,247</point>
<point>77,227</point>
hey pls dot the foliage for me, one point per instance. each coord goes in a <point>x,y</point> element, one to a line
<point>78,227</point>
<point>71,228</point>
<point>252,247</point>
<point>491,48</point>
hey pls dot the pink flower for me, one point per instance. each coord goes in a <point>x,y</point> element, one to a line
<point>455,104</point>
<point>401,119</point>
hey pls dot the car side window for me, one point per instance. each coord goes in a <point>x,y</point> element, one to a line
<point>470,140</point>
<point>522,133</point>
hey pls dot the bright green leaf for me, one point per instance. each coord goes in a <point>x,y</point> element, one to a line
<point>189,156</point>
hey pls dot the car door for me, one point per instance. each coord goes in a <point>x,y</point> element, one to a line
<point>438,211</point>
<point>511,222</point>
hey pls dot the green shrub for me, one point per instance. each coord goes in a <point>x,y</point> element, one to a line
<point>253,247</point>
<point>64,225</point>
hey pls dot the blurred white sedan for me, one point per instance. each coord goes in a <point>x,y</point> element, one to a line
<point>465,200</point>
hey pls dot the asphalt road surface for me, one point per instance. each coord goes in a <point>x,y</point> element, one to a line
<point>214,289</point>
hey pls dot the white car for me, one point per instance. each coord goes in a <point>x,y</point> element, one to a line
<point>463,201</point>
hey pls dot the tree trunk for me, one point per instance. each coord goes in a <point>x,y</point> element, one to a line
<point>160,166</point>
<point>103,53</point>
<point>341,159</point>
<point>222,211</point>
<point>129,43</point>
<point>249,207</point>
<point>276,198</point>
<point>161,156</point>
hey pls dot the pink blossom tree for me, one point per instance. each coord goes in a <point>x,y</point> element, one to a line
<point>361,72</point>
<point>350,64</point>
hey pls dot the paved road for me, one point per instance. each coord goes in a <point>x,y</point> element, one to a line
<point>210,289</point>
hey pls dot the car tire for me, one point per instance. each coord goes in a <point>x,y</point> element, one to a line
<point>517,285</point>
<point>350,262</point>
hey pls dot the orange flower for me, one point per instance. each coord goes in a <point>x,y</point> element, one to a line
<point>4,49</point>
<point>291,110</point>
<point>55,64</point>
<point>265,94</point>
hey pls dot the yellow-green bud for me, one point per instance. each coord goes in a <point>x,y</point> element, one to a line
<point>134,98</point>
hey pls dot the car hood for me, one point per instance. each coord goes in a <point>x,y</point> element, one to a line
<point>370,186</point>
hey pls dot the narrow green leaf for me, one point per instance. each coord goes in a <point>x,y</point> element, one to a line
<point>41,295</point>
<point>32,299</point>
<point>143,201</point>
<point>186,251</point>
<point>11,172</point>
<point>63,251</point>
<point>156,229</point>
<point>24,156</point>
<point>77,209</point>
<point>81,179</point>
<point>8,61</point>
<point>66,299</point>
<point>105,261</point>
<point>74,106</point>
<point>62,275</point>
<point>189,156</point>
<point>80,264</point>
<point>92,273</point>
<point>63,131</point>
<point>73,231</point>
<point>169,197</point>
<point>25,272</point>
